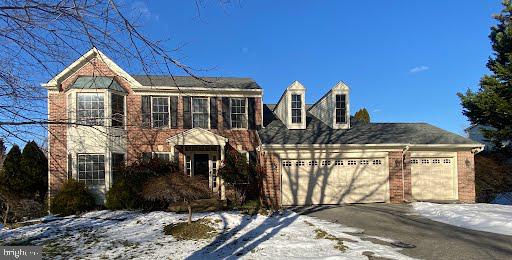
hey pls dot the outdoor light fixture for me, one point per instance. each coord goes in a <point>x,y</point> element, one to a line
<point>468,163</point>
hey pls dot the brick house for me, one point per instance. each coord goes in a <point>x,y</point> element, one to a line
<point>312,154</point>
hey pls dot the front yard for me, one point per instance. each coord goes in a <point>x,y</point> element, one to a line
<point>124,235</point>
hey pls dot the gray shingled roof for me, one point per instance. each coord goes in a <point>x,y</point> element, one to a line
<point>97,82</point>
<point>316,132</point>
<point>188,81</point>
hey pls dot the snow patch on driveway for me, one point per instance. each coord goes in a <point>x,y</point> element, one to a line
<point>484,217</point>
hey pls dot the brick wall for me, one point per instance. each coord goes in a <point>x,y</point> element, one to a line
<point>57,161</point>
<point>396,185</point>
<point>139,139</point>
<point>271,178</point>
<point>152,139</point>
<point>466,176</point>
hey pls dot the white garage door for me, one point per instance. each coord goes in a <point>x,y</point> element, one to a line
<point>433,179</point>
<point>306,182</point>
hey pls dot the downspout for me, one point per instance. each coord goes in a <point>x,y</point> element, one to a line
<point>406,148</point>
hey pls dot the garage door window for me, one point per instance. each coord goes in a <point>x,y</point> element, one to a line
<point>364,162</point>
<point>313,163</point>
<point>299,163</point>
<point>414,161</point>
<point>338,163</point>
<point>352,162</point>
<point>324,163</point>
<point>446,161</point>
<point>287,163</point>
<point>377,162</point>
<point>424,161</point>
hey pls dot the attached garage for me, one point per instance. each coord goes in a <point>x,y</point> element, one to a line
<point>334,181</point>
<point>433,178</point>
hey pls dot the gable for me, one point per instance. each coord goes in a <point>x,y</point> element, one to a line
<point>94,62</point>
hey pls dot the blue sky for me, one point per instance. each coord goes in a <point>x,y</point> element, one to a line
<point>403,60</point>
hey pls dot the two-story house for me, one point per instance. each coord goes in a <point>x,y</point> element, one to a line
<point>312,154</point>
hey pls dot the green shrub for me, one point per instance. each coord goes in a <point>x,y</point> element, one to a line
<point>73,198</point>
<point>121,196</point>
<point>126,191</point>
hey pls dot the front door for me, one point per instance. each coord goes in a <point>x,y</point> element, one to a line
<point>201,168</point>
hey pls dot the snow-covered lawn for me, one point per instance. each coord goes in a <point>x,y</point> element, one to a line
<point>485,217</point>
<point>125,235</point>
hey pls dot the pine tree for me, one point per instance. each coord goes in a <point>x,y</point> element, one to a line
<point>34,167</point>
<point>491,105</point>
<point>362,116</point>
<point>11,170</point>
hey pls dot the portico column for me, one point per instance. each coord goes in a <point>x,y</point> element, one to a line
<point>222,186</point>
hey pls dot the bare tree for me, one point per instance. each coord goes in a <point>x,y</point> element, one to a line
<point>38,38</point>
<point>177,187</point>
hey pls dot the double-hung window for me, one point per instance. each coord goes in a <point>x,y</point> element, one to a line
<point>296,109</point>
<point>160,111</point>
<point>91,169</point>
<point>238,113</point>
<point>90,108</point>
<point>341,116</point>
<point>117,110</point>
<point>200,112</point>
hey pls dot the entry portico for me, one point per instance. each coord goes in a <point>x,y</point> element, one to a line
<point>203,153</point>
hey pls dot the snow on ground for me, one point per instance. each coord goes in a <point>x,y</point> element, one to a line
<point>124,234</point>
<point>483,217</point>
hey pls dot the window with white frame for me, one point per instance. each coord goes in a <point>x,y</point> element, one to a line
<point>162,156</point>
<point>91,169</point>
<point>200,112</point>
<point>188,165</point>
<point>340,111</point>
<point>214,171</point>
<point>117,109</point>
<point>160,111</point>
<point>238,109</point>
<point>296,108</point>
<point>90,108</point>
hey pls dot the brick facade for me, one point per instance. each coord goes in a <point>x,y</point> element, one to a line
<point>466,176</point>
<point>139,139</point>
<point>271,179</point>
<point>397,187</point>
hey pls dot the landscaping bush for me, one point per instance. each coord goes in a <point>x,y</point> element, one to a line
<point>176,187</point>
<point>73,198</point>
<point>240,176</point>
<point>122,196</point>
<point>126,191</point>
<point>15,209</point>
<point>492,176</point>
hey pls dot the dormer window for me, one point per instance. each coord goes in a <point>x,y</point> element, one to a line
<point>296,109</point>
<point>341,110</point>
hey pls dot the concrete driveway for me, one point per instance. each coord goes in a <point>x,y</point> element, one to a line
<point>433,240</point>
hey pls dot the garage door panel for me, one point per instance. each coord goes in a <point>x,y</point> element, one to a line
<point>334,181</point>
<point>433,179</point>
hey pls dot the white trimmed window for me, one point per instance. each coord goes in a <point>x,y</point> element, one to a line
<point>200,112</point>
<point>90,108</point>
<point>160,111</point>
<point>91,169</point>
<point>162,156</point>
<point>238,113</point>
<point>341,116</point>
<point>296,108</point>
<point>117,109</point>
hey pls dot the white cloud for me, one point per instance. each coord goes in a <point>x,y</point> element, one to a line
<point>140,9</point>
<point>418,69</point>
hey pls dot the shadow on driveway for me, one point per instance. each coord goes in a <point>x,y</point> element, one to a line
<point>433,240</point>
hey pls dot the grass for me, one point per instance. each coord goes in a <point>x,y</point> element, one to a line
<point>200,229</point>
<point>320,234</point>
